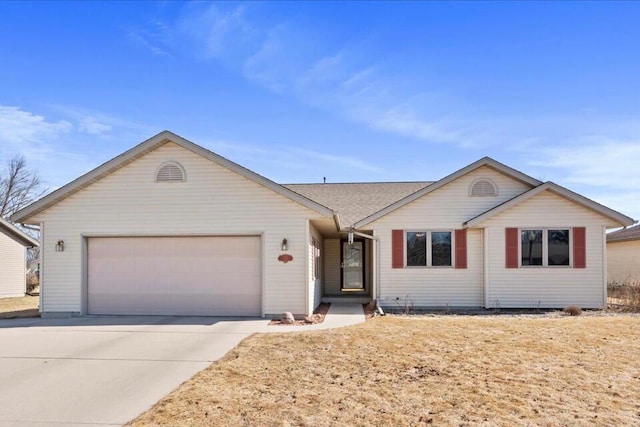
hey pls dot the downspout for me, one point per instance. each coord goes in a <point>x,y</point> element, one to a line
<point>378,308</point>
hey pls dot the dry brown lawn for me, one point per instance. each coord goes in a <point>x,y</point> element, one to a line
<point>19,307</point>
<point>445,370</point>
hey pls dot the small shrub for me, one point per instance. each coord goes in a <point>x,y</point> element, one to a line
<point>573,310</point>
<point>32,282</point>
<point>625,295</point>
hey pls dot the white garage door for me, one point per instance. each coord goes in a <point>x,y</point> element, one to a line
<point>189,276</point>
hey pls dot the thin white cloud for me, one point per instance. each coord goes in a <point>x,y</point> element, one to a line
<point>23,129</point>
<point>608,164</point>
<point>336,160</point>
<point>52,146</point>
<point>98,123</point>
<point>155,37</point>
<point>92,126</point>
<point>582,149</point>
<point>287,157</point>
<point>216,31</point>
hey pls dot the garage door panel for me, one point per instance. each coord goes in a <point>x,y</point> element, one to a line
<point>205,276</point>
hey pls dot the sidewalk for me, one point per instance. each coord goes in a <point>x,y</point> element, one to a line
<point>340,314</point>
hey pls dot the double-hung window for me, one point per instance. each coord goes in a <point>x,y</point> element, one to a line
<point>428,249</point>
<point>545,247</point>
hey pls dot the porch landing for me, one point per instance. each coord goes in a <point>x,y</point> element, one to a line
<point>360,299</point>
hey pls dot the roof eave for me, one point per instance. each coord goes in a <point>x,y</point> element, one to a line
<point>626,239</point>
<point>606,212</point>
<point>23,215</point>
<point>17,235</point>
<point>485,161</point>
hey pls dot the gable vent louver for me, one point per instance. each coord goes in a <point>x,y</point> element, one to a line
<point>170,172</point>
<point>483,188</point>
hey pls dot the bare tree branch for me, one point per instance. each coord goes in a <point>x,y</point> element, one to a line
<point>19,186</point>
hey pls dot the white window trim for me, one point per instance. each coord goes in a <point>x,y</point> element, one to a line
<point>315,258</point>
<point>429,249</point>
<point>545,247</point>
<point>495,187</point>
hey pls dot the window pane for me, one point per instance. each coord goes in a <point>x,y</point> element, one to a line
<point>558,247</point>
<point>531,243</point>
<point>416,249</point>
<point>440,248</point>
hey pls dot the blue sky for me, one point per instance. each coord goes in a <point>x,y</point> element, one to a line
<point>351,91</point>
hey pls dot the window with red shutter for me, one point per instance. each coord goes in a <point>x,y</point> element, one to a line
<point>511,248</point>
<point>397,248</point>
<point>579,247</point>
<point>461,248</point>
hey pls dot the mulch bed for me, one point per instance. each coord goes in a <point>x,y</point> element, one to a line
<point>317,317</point>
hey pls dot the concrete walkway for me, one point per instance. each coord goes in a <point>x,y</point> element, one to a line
<point>339,315</point>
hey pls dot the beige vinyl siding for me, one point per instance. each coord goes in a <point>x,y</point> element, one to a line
<point>623,261</point>
<point>315,284</point>
<point>332,270</point>
<point>444,209</point>
<point>12,268</point>
<point>546,286</point>
<point>212,201</point>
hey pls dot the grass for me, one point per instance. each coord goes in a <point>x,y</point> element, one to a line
<point>443,370</point>
<point>19,307</point>
<point>625,295</point>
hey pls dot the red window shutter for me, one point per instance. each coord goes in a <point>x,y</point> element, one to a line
<point>511,247</point>
<point>397,248</point>
<point>579,247</point>
<point>461,248</point>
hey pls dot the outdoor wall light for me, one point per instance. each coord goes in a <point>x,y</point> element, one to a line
<point>60,246</point>
<point>285,245</point>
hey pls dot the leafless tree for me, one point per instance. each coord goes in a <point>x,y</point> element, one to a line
<point>19,186</point>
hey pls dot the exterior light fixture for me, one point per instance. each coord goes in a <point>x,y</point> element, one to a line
<point>285,245</point>
<point>60,246</point>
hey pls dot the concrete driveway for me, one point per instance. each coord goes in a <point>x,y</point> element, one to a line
<point>104,370</point>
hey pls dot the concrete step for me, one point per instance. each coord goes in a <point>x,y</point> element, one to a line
<point>354,299</point>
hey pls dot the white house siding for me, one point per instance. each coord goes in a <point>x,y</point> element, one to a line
<point>446,208</point>
<point>12,268</point>
<point>623,261</point>
<point>546,286</point>
<point>213,201</point>
<point>315,284</point>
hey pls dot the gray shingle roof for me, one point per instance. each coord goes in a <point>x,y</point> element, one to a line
<point>631,233</point>
<point>355,201</point>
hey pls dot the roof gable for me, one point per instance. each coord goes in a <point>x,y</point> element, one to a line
<point>606,212</point>
<point>16,234</point>
<point>147,146</point>
<point>485,161</point>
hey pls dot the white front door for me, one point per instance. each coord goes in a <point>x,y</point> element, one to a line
<point>353,266</point>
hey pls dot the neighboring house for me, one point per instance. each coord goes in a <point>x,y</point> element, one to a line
<point>13,279</point>
<point>169,227</point>
<point>623,255</point>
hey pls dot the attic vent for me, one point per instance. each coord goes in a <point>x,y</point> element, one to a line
<point>483,188</point>
<point>170,172</point>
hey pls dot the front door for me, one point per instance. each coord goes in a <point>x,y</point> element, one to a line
<point>353,266</point>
